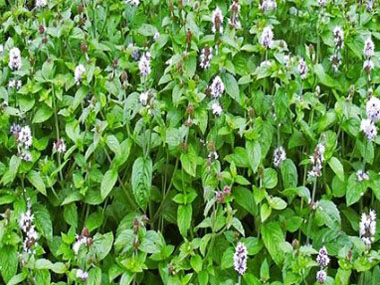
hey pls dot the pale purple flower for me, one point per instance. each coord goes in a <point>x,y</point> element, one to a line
<point>233,21</point>
<point>217,87</point>
<point>317,160</point>
<point>144,64</point>
<point>266,37</point>
<point>78,73</point>
<point>279,155</point>
<point>205,57</point>
<point>240,258</point>
<point>361,175</point>
<point>369,48</point>
<point>368,128</point>
<point>323,259</point>
<point>41,3</point>
<point>373,109</point>
<point>321,276</point>
<point>216,108</point>
<point>82,275</point>
<point>302,68</point>
<point>338,37</point>
<point>268,5</point>
<point>59,146</point>
<point>368,227</point>
<point>15,59</point>
<point>217,21</point>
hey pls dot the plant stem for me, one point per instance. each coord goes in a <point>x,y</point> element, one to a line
<point>312,213</point>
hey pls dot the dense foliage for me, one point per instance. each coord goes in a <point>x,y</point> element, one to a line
<point>189,142</point>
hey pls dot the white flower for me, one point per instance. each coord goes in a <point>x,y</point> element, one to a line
<point>368,65</point>
<point>25,155</point>
<point>373,109</point>
<point>144,64</point>
<point>133,2</point>
<point>15,59</point>
<point>233,21</point>
<point>217,21</point>
<point>338,37</point>
<point>205,57</point>
<point>369,48</point>
<point>336,61</point>
<point>321,276</point>
<point>368,128</point>
<point>41,3</point>
<point>213,155</point>
<point>217,87</point>
<point>82,275</point>
<point>240,258</point>
<point>14,84</point>
<point>266,37</point>
<point>317,160</point>
<point>322,2</point>
<point>361,175</point>
<point>156,36</point>
<point>267,5</point>
<point>59,146</point>
<point>216,108</point>
<point>302,68</point>
<point>26,225</point>
<point>323,259</point>
<point>144,98</point>
<point>80,240</point>
<point>368,227</point>
<point>78,73</point>
<point>25,136</point>
<point>279,155</point>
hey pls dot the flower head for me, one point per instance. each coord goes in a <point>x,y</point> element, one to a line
<point>205,57</point>
<point>302,68</point>
<point>15,59</point>
<point>233,21</point>
<point>25,137</point>
<point>216,108</point>
<point>144,64</point>
<point>336,61</point>
<point>59,146</point>
<point>323,259</point>
<point>27,227</point>
<point>82,275</point>
<point>268,5</point>
<point>279,155</point>
<point>78,73</point>
<point>133,2</point>
<point>368,128</point>
<point>368,65</point>
<point>317,160</point>
<point>322,2</point>
<point>369,48</point>
<point>338,37</point>
<point>368,227</point>
<point>240,258</point>
<point>321,276</point>
<point>217,21</point>
<point>217,87</point>
<point>266,37</point>
<point>41,3</point>
<point>361,175</point>
<point>373,109</point>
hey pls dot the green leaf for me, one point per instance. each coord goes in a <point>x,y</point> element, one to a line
<point>270,178</point>
<point>36,180</point>
<point>184,215</point>
<point>265,212</point>
<point>8,262</point>
<point>289,173</point>
<point>189,162</point>
<point>43,221</point>
<point>232,87</point>
<point>42,114</point>
<point>11,172</point>
<point>324,78</point>
<point>102,243</point>
<point>114,145</point>
<point>337,167</point>
<point>276,203</point>
<point>245,199</point>
<point>141,180</point>
<point>254,154</point>
<point>228,258</point>
<point>354,190</point>
<point>272,237</point>
<point>108,182</point>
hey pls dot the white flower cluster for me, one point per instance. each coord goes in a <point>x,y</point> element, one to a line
<point>82,239</point>
<point>323,260</point>
<point>144,64</point>
<point>302,68</point>
<point>240,258</point>
<point>279,155</point>
<point>15,59</point>
<point>233,21</point>
<point>268,5</point>
<point>59,146</point>
<point>133,2</point>
<point>24,138</point>
<point>361,175</point>
<point>317,160</point>
<point>82,275</point>
<point>14,83</point>
<point>335,59</point>
<point>27,226</point>
<point>217,90</point>
<point>322,3</point>
<point>147,100</point>
<point>373,109</point>
<point>206,57</point>
<point>367,126</point>
<point>217,21</point>
<point>266,38</point>
<point>78,73</point>
<point>368,227</point>
<point>369,5</point>
<point>369,51</point>
<point>41,3</point>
